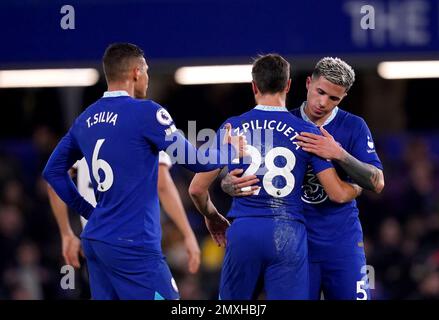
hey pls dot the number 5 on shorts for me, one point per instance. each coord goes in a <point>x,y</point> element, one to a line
<point>360,290</point>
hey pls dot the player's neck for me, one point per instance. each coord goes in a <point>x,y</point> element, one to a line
<point>122,86</point>
<point>271,100</point>
<point>317,121</point>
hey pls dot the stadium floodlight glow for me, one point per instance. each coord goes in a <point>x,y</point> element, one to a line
<point>409,69</point>
<point>34,78</point>
<point>214,74</point>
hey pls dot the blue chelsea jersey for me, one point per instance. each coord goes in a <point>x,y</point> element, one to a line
<point>124,169</point>
<point>120,138</point>
<point>276,159</point>
<point>334,229</point>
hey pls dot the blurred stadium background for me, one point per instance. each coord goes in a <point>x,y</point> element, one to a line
<point>401,225</point>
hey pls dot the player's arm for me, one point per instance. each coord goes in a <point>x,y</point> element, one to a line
<point>337,190</point>
<point>364,174</point>
<point>236,185</point>
<point>199,192</point>
<point>56,174</point>
<point>160,130</point>
<point>71,245</point>
<point>228,148</point>
<point>171,202</point>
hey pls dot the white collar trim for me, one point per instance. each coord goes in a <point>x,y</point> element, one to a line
<point>305,117</point>
<point>270,108</point>
<point>112,94</point>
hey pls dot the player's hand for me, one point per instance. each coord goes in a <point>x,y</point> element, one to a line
<point>71,249</point>
<point>357,189</point>
<point>322,145</point>
<point>194,253</point>
<point>217,226</point>
<point>236,186</point>
<point>239,143</point>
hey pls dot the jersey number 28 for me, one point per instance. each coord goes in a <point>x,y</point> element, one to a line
<point>273,170</point>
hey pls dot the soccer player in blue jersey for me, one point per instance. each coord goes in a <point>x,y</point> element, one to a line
<point>335,237</point>
<point>266,244</point>
<point>169,198</point>
<point>120,136</point>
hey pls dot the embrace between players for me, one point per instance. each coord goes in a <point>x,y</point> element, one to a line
<point>293,230</point>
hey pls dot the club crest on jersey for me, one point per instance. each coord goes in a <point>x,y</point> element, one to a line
<point>370,145</point>
<point>312,191</point>
<point>163,117</point>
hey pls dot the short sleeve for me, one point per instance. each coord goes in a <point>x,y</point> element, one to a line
<point>362,146</point>
<point>158,126</point>
<point>165,159</point>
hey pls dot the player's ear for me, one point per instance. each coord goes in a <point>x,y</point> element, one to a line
<point>308,82</point>
<point>287,88</point>
<point>136,73</point>
<point>255,88</point>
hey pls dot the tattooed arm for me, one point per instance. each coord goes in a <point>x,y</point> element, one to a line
<point>365,175</point>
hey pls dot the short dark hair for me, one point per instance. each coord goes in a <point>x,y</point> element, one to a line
<point>116,59</point>
<point>336,71</point>
<point>271,73</point>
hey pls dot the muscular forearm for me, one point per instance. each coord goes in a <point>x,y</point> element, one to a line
<point>173,206</point>
<point>365,175</point>
<point>351,191</point>
<point>338,191</point>
<point>199,192</point>
<point>203,203</point>
<point>60,211</point>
